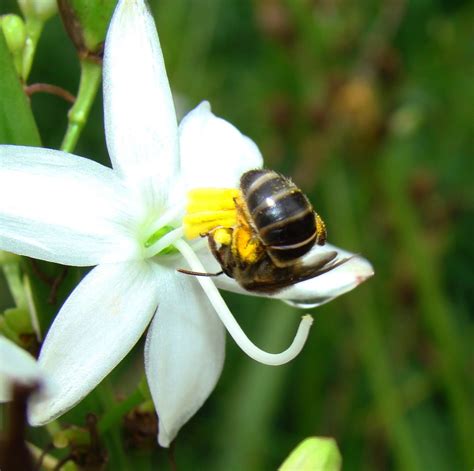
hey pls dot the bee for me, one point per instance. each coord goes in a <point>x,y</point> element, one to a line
<point>261,233</point>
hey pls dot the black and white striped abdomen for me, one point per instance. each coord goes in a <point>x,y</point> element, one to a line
<point>280,213</point>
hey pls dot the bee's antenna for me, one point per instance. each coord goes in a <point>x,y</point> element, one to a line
<point>198,273</point>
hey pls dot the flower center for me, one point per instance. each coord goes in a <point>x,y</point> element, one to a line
<point>161,241</point>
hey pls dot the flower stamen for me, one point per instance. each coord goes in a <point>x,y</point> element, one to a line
<point>273,359</point>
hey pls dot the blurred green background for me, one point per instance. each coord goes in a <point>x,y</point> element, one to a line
<point>368,106</point>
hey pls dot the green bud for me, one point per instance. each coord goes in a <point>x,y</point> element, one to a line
<point>15,33</point>
<point>38,9</point>
<point>71,436</point>
<point>18,319</point>
<point>86,22</point>
<point>314,453</point>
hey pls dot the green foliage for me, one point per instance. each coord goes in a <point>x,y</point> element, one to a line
<point>18,127</point>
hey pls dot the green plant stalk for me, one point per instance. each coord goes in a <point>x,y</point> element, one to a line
<point>370,340</point>
<point>111,436</point>
<point>12,275</point>
<point>49,462</point>
<point>433,305</point>
<point>114,416</point>
<point>34,27</point>
<point>91,75</point>
<point>53,428</point>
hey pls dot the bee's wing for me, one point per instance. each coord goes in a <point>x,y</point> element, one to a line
<point>272,279</point>
<point>317,259</point>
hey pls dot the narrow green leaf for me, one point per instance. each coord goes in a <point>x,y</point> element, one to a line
<point>17,124</point>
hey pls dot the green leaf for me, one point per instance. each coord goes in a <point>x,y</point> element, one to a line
<point>17,124</point>
<point>315,454</point>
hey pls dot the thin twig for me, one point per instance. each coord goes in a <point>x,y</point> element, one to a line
<point>50,89</point>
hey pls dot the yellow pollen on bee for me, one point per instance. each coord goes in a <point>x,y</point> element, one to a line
<point>245,246</point>
<point>208,209</point>
<point>321,234</point>
<point>222,236</point>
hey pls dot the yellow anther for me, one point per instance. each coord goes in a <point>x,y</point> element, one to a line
<point>211,199</point>
<point>209,208</point>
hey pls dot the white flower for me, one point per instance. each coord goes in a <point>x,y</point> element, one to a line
<point>66,209</point>
<point>16,366</point>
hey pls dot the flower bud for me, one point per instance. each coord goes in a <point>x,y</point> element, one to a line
<point>86,23</point>
<point>18,319</point>
<point>314,453</point>
<point>38,9</point>
<point>15,33</point>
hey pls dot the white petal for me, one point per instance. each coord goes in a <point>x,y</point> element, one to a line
<point>140,121</point>
<point>97,326</point>
<point>62,208</point>
<point>324,288</point>
<point>213,152</point>
<point>310,293</point>
<point>184,352</point>
<point>16,365</point>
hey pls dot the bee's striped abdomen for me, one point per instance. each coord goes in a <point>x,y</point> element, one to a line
<point>282,216</point>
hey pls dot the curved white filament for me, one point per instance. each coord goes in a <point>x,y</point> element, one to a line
<point>232,325</point>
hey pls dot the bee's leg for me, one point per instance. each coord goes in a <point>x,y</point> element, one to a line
<point>198,273</point>
<point>215,252</point>
<point>218,254</point>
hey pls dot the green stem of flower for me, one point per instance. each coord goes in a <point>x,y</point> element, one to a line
<point>114,416</point>
<point>48,462</point>
<point>111,435</point>
<point>91,75</point>
<point>53,428</point>
<point>12,275</point>
<point>34,27</point>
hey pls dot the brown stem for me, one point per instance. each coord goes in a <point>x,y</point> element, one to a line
<point>14,453</point>
<point>171,456</point>
<point>52,281</point>
<point>51,89</point>
<point>53,295</point>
